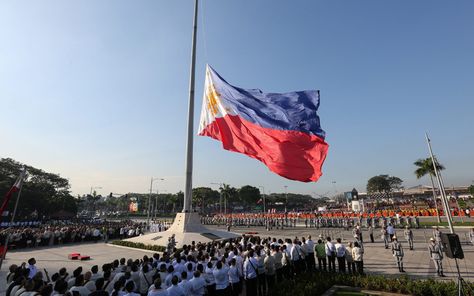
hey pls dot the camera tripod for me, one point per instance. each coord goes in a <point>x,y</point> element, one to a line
<point>464,289</point>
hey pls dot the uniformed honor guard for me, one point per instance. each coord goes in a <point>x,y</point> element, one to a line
<point>436,255</point>
<point>409,236</point>
<point>397,252</point>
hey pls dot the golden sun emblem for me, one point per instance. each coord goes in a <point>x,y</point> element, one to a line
<point>213,99</point>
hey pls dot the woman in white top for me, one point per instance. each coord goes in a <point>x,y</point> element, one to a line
<point>357,255</point>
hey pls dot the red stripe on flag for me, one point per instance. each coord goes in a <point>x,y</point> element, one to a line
<point>7,199</point>
<point>292,154</point>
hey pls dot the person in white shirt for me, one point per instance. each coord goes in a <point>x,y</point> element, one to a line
<point>156,290</point>
<point>357,256</point>
<point>31,266</point>
<point>310,259</point>
<point>178,266</point>
<point>341,255</point>
<point>90,285</point>
<point>135,276</point>
<point>95,273</point>
<point>129,288</point>
<point>209,276</point>
<point>250,273</point>
<point>350,261</point>
<point>331,254</point>
<point>169,276</point>
<point>146,278</point>
<point>78,286</point>
<point>72,280</point>
<point>390,231</point>
<point>197,284</point>
<point>296,255</point>
<point>270,271</point>
<point>175,290</point>
<point>60,288</point>
<point>184,284</point>
<point>117,289</point>
<point>234,278</point>
<point>221,277</point>
<point>190,267</point>
<point>96,234</point>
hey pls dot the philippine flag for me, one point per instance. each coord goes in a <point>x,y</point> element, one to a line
<point>280,130</point>
<point>16,187</point>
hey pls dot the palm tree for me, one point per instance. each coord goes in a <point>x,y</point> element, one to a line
<point>425,167</point>
<point>228,193</point>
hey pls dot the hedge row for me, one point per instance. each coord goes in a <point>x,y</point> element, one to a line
<point>139,246</point>
<point>318,283</point>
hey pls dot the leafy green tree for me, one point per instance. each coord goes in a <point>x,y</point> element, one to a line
<point>249,195</point>
<point>383,184</point>
<point>471,190</point>
<point>229,194</point>
<point>42,192</point>
<point>424,166</point>
<point>203,196</point>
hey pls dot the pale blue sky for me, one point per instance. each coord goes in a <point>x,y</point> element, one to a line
<point>97,90</point>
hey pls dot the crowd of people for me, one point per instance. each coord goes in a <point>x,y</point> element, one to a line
<point>219,268</point>
<point>287,221</point>
<point>30,235</point>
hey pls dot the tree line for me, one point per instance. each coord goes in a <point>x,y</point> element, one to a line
<point>43,194</point>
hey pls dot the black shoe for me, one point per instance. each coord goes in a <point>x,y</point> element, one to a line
<point>442,275</point>
<point>402,270</point>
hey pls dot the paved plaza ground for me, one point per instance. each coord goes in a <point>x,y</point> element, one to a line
<point>377,259</point>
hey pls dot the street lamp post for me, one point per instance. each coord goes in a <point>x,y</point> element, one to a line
<point>94,188</point>
<point>286,197</point>
<point>156,202</point>
<point>149,199</point>
<point>93,200</point>
<point>220,196</point>
<point>263,198</point>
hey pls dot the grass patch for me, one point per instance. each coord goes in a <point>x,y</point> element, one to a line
<point>139,246</point>
<point>310,284</point>
<point>349,293</point>
<point>471,224</point>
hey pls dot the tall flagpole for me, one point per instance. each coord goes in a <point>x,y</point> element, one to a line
<point>441,187</point>
<point>189,144</point>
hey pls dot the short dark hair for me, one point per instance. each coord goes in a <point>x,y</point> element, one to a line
<point>60,286</point>
<point>174,280</point>
<point>129,286</point>
<point>99,283</point>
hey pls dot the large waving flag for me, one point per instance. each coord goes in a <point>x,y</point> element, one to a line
<point>280,130</point>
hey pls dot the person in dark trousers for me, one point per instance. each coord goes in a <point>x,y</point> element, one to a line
<point>331,254</point>
<point>320,250</point>
<point>341,255</point>
<point>250,274</point>
<point>371,233</point>
<point>357,256</point>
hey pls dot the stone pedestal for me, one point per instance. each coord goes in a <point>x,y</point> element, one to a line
<point>186,228</point>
